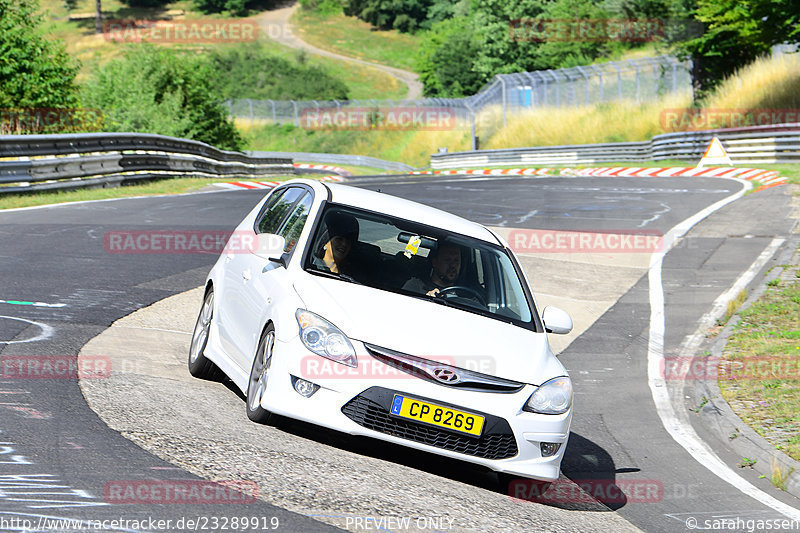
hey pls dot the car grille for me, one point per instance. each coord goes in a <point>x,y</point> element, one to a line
<point>424,369</point>
<point>371,410</point>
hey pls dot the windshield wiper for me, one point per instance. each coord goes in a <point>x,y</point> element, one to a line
<point>336,275</point>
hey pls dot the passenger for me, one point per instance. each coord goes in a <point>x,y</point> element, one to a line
<point>445,268</point>
<point>341,231</point>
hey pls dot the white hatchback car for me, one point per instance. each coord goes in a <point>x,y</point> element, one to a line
<point>378,316</point>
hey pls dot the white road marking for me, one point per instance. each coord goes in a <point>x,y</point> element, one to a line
<point>32,304</point>
<point>47,331</point>
<point>690,344</point>
<point>680,430</point>
<point>657,215</point>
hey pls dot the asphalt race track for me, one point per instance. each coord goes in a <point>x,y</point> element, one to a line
<point>62,286</point>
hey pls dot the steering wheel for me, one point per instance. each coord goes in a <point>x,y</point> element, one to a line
<point>478,296</point>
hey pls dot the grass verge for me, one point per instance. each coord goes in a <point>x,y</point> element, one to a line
<point>352,37</point>
<point>411,147</point>
<point>762,380</point>
<point>151,188</point>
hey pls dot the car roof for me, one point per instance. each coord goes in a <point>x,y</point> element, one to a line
<point>400,207</point>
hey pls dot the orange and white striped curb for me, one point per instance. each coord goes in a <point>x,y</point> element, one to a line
<point>265,184</point>
<point>491,172</point>
<point>328,168</point>
<point>767,178</point>
<point>248,185</point>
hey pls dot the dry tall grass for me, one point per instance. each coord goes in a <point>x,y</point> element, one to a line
<point>770,83</point>
<point>613,122</point>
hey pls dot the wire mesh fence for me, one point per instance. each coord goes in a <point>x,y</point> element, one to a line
<point>635,80</point>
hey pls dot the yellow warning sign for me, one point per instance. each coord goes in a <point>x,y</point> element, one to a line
<point>715,155</point>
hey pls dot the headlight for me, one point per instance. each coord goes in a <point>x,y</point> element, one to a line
<point>325,339</point>
<point>552,398</point>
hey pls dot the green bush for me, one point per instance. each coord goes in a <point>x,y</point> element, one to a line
<point>158,90</point>
<point>253,72</point>
<point>323,7</point>
<point>237,8</point>
<point>144,3</point>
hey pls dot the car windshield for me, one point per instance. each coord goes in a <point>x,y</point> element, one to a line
<point>404,257</point>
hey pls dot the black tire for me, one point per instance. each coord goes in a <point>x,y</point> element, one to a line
<point>199,365</point>
<point>259,377</point>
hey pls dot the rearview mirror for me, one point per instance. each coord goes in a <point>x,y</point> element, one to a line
<point>556,320</point>
<point>270,247</point>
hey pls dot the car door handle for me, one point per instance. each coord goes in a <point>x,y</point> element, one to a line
<point>246,275</point>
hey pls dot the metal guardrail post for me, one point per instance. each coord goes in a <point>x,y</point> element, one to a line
<point>558,88</point>
<point>636,70</point>
<point>296,117</point>
<point>674,74</point>
<point>656,74</point>
<point>503,83</point>
<point>600,80</point>
<point>583,73</point>
<point>619,80</point>
<point>473,137</point>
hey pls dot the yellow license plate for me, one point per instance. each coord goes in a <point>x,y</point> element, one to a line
<point>437,415</point>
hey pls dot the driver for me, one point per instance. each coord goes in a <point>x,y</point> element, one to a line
<point>445,267</point>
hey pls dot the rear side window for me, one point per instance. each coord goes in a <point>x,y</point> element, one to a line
<point>277,209</point>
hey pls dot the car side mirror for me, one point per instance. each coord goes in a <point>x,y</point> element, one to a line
<point>556,320</point>
<point>270,247</point>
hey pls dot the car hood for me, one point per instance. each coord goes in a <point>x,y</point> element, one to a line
<point>431,331</point>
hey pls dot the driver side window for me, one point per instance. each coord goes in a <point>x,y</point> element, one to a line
<point>277,209</point>
<point>295,222</point>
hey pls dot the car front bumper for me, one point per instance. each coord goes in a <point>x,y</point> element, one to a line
<point>354,401</point>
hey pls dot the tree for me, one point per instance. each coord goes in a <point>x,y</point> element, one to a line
<point>34,71</point>
<point>406,16</point>
<point>735,34</point>
<point>445,60</point>
<point>158,90</point>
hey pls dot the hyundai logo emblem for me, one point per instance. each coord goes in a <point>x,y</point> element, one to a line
<point>445,375</point>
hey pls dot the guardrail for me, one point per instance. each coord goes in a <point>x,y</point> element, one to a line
<point>779,143</point>
<point>338,159</point>
<point>46,162</point>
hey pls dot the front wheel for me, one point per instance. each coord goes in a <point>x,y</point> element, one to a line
<point>199,365</point>
<point>259,377</point>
